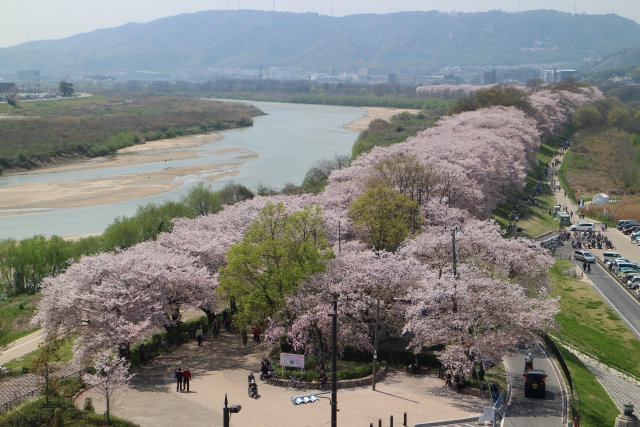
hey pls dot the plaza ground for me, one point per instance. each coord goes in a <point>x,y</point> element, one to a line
<point>221,367</point>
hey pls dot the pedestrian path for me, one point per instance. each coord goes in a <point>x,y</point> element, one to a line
<point>620,387</point>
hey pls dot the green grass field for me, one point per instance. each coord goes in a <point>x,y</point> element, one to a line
<point>590,325</point>
<point>52,104</point>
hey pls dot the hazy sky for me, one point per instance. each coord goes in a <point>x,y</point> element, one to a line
<point>52,19</point>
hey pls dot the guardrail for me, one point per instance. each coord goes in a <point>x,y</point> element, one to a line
<point>5,406</point>
<point>575,408</point>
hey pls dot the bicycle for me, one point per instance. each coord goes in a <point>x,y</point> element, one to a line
<point>294,382</point>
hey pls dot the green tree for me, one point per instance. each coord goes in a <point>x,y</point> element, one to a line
<point>44,364</point>
<point>233,193</point>
<point>587,116</point>
<point>384,217</point>
<point>618,116</point>
<point>66,89</point>
<point>277,252</point>
<point>202,200</point>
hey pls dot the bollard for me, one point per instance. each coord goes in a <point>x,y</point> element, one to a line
<point>404,422</point>
<point>379,422</point>
<point>391,421</point>
<point>370,424</point>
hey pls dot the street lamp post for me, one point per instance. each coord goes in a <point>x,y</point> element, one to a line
<point>334,362</point>
<point>375,348</point>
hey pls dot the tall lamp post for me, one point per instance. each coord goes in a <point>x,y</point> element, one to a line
<point>334,362</point>
<point>375,347</point>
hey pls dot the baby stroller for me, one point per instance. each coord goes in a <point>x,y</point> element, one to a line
<point>253,390</point>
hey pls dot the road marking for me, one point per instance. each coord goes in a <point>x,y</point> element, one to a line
<point>614,307</point>
<point>25,343</point>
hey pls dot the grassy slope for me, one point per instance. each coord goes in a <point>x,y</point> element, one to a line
<point>17,318</point>
<point>538,221</point>
<point>590,325</point>
<point>595,406</point>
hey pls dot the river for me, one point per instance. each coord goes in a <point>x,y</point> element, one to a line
<point>284,145</point>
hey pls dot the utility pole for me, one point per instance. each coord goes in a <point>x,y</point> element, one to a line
<point>375,347</point>
<point>334,362</point>
<point>339,237</point>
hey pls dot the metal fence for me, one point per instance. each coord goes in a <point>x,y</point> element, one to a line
<point>574,403</point>
<point>5,406</point>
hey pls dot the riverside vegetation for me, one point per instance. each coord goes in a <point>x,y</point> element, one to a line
<point>50,133</point>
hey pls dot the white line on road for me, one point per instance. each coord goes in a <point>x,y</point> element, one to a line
<point>614,307</point>
<point>24,343</point>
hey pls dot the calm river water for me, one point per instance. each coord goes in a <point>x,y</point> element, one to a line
<point>289,140</point>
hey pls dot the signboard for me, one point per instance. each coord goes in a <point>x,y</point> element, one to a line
<point>292,360</point>
<point>489,416</point>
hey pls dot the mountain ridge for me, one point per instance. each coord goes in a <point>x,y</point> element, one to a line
<point>399,42</point>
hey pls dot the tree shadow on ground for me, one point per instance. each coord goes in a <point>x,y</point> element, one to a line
<point>216,354</point>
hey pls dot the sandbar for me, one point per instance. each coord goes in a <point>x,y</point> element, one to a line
<point>99,191</point>
<point>162,150</point>
<point>375,113</point>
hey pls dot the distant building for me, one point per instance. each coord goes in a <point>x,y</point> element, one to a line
<point>281,73</point>
<point>28,75</point>
<point>7,87</point>
<point>489,78</point>
<point>403,79</point>
<point>369,71</point>
<point>554,76</point>
<point>331,72</point>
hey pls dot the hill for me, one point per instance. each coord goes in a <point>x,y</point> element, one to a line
<point>399,41</point>
<point>619,59</point>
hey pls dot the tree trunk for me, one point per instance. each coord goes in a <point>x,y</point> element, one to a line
<point>210,315</point>
<point>321,346</point>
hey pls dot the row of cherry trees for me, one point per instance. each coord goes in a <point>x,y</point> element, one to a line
<point>457,171</point>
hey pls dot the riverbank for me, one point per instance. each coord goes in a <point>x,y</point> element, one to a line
<point>374,113</point>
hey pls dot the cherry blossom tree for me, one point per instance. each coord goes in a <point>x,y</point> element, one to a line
<point>360,278</point>
<point>113,300</point>
<point>110,379</point>
<point>474,316</point>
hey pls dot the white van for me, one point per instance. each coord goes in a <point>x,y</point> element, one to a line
<point>583,226</point>
<point>610,256</point>
<point>624,223</point>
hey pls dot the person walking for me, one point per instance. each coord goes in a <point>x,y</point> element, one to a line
<point>186,378</point>
<point>178,377</point>
<point>214,327</point>
<point>448,382</point>
<point>199,335</point>
<point>589,268</point>
<point>495,391</point>
<point>227,323</point>
<point>584,266</point>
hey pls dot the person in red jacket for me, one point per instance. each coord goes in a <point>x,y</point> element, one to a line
<point>186,377</point>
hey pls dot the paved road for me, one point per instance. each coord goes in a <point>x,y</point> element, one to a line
<point>618,298</point>
<point>21,347</point>
<point>534,412</point>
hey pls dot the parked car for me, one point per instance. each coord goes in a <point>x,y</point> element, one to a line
<point>621,265</point>
<point>583,226</point>
<point>638,293</point>
<point>633,236</point>
<point>634,283</point>
<point>631,229</point>
<point>610,256</point>
<point>624,223</point>
<point>534,383</point>
<point>628,275</point>
<point>581,255</point>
